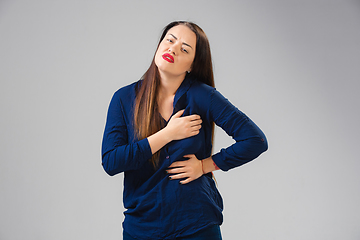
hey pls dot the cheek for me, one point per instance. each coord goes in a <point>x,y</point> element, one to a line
<point>157,58</point>
<point>161,49</point>
<point>189,63</point>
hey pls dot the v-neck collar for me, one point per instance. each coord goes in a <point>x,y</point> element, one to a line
<point>184,87</point>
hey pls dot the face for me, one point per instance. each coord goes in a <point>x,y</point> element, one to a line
<point>176,51</point>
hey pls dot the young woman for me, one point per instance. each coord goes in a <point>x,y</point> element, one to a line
<point>159,132</point>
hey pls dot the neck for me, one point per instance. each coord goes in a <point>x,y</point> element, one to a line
<point>169,84</point>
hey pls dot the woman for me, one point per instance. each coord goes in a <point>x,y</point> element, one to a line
<point>159,133</point>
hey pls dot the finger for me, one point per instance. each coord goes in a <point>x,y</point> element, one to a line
<point>177,164</point>
<point>186,181</point>
<point>195,122</point>
<point>192,117</point>
<point>178,176</point>
<point>196,118</point>
<point>178,114</point>
<point>196,127</point>
<point>175,170</point>
<point>194,132</point>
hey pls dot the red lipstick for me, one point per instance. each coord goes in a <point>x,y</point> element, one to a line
<point>168,58</point>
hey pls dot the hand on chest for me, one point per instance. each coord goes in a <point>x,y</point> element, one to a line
<point>194,144</point>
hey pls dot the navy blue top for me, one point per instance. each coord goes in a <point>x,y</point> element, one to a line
<point>159,208</point>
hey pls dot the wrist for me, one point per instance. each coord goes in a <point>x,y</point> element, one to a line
<point>209,165</point>
<point>206,165</point>
<point>166,135</point>
<point>202,166</point>
<point>159,140</point>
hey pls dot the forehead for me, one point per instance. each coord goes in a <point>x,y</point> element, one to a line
<point>183,34</point>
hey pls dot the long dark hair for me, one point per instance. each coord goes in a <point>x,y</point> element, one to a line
<point>147,120</point>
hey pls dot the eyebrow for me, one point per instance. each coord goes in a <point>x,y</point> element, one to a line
<point>182,43</point>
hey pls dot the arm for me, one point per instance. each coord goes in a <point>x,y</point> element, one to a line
<point>177,128</point>
<point>250,140</point>
<point>118,155</point>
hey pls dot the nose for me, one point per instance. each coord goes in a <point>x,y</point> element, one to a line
<point>174,48</point>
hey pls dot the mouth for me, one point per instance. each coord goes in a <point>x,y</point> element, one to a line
<point>168,58</point>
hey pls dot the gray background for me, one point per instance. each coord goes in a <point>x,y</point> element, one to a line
<point>292,66</point>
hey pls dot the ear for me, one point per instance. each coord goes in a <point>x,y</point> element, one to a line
<point>188,71</point>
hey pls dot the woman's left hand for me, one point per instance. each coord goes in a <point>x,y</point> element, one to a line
<point>190,169</point>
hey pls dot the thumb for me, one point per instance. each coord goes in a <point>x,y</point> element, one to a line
<point>178,114</point>
<point>189,156</point>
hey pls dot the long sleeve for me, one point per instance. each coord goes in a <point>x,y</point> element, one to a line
<point>118,155</point>
<point>250,140</point>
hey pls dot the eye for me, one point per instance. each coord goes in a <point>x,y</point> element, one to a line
<point>184,50</point>
<point>169,40</point>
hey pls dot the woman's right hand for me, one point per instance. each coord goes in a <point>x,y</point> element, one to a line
<point>177,128</point>
<point>183,127</point>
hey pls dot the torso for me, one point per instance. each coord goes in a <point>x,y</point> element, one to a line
<point>148,191</point>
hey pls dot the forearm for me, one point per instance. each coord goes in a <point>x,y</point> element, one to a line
<point>117,159</point>
<point>159,140</point>
<point>209,165</point>
<point>177,128</point>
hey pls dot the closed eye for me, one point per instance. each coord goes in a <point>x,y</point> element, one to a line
<point>184,50</point>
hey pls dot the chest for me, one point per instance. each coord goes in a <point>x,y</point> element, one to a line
<point>165,107</point>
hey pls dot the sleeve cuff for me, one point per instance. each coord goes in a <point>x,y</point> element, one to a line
<point>145,147</point>
<point>219,162</point>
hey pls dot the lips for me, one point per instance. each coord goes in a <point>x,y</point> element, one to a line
<point>168,58</point>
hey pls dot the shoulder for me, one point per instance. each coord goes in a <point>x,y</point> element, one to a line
<point>127,92</point>
<point>200,95</point>
<point>205,91</point>
<point>201,88</point>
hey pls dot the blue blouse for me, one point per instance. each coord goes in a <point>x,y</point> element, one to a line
<point>159,208</point>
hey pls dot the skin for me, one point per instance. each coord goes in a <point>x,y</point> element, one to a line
<point>180,42</point>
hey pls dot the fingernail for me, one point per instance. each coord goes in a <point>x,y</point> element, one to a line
<point>170,177</point>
